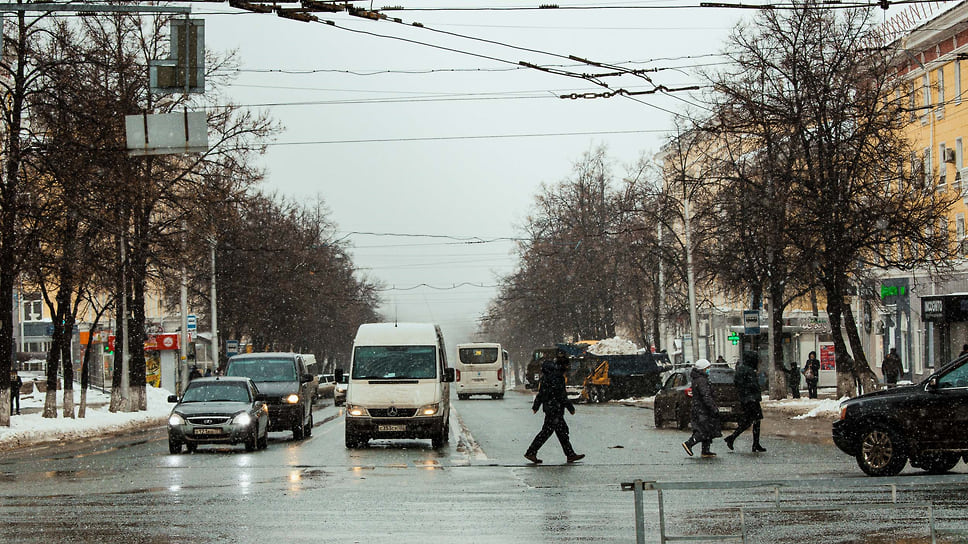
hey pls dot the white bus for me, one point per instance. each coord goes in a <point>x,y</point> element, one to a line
<point>482,369</point>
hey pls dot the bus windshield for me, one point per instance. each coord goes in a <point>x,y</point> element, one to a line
<point>394,362</point>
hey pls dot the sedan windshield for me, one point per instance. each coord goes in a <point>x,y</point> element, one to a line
<point>394,362</point>
<point>216,392</point>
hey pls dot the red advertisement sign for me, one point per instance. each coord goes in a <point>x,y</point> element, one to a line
<point>827,359</point>
<point>162,342</point>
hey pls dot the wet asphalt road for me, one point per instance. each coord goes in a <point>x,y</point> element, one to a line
<point>477,489</point>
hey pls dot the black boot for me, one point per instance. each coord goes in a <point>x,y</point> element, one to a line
<point>729,441</point>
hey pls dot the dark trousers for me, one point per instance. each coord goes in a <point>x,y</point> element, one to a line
<point>15,399</point>
<point>795,391</point>
<point>554,423</point>
<point>693,440</point>
<point>812,388</point>
<point>744,423</point>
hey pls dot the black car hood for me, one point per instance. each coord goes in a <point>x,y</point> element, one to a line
<point>211,408</point>
<point>900,391</point>
<point>277,389</point>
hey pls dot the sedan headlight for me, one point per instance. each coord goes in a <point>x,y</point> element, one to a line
<point>428,410</point>
<point>175,419</point>
<point>356,410</point>
<point>293,399</point>
<point>242,420</point>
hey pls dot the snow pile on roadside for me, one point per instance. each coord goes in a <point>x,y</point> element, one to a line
<point>34,428</point>
<point>805,408</point>
<point>614,346</point>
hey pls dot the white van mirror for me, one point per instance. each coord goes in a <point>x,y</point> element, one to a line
<point>448,375</point>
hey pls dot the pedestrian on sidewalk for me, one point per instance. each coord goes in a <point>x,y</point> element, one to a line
<point>748,390</point>
<point>793,380</point>
<point>811,371</point>
<point>891,367</point>
<point>553,398</point>
<point>705,412</point>
<point>15,384</point>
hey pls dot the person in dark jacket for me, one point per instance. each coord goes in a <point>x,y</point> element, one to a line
<point>705,413</point>
<point>553,398</point>
<point>793,380</point>
<point>195,373</point>
<point>748,390</point>
<point>891,367</point>
<point>15,384</point>
<point>811,371</point>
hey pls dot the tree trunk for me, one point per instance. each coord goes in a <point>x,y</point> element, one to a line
<point>846,386</point>
<point>778,384</point>
<point>862,370</point>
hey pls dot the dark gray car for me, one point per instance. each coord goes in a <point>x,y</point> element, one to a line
<point>287,384</point>
<point>219,410</point>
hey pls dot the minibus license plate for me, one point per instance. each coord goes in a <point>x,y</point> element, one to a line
<point>208,431</point>
<point>391,428</point>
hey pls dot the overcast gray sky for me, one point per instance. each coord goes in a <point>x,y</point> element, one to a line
<point>416,143</point>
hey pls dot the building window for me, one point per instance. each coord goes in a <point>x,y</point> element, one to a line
<point>942,165</point>
<point>926,90</point>
<point>927,167</point>
<point>940,89</point>
<point>960,233</point>
<point>957,67</point>
<point>33,308</point>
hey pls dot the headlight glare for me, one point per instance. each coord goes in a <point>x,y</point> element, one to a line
<point>243,419</point>
<point>293,399</point>
<point>428,410</point>
<point>356,410</point>
<point>175,419</point>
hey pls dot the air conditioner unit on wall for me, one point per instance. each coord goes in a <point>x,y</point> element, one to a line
<point>949,156</point>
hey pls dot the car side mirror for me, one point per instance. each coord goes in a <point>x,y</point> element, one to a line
<point>172,398</point>
<point>339,375</point>
<point>261,397</point>
<point>449,375</point>
<point>932,384</point>
<point>306,378</point>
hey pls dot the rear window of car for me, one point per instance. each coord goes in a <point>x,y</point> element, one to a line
<point>721,375</point>
<point>477,356</point>
<point>264,370</point>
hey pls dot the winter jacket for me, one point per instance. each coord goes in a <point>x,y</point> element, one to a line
<point>814,365</point>
<point>705,413</point>
<point>747,384</point>
<point>891,367</point>
<point>551,391</point>
<point>793,377</point>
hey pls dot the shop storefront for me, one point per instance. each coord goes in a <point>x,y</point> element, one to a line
<point>946,326</point>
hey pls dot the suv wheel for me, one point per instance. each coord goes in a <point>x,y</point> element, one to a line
<point>881,452</point>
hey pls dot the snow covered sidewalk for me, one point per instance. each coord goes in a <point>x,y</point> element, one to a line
<point>32,428</point>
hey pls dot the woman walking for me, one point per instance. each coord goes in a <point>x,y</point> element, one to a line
<point>748,389</point>
<point>705,412</point>
<point>811,371</point>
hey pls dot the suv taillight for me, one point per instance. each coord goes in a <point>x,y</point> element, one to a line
<point>500,374</point>
<point>688,392</point>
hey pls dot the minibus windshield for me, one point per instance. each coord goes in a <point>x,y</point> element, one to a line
<point>478,356</point>
<point>394,362</point>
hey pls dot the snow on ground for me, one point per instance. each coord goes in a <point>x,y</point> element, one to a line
<point>802,408</point>
<point>613,346</point>
<point>31,427</point>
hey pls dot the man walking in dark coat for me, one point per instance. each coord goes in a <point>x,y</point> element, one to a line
<point>811,371</point>
<point>553,397</point>
<point>705,412</point>
<point>748,389</point>
<point>891,367</point>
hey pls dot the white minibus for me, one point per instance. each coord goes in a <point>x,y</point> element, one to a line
<point>482,369</point>
<point>399,384</point>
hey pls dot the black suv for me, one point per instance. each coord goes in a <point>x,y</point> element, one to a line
<point>926,423</point>
<point>287,384</point>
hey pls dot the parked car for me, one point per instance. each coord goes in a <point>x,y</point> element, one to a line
<point>287,384</point>
<point>673,401</point>
<point>219,410</point>
<point>326,385</point>
<point>339,390</point>
<point>926,423</point>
